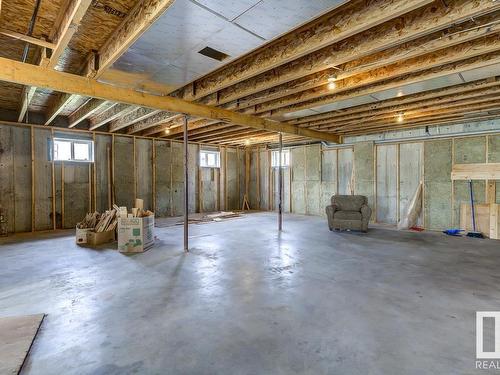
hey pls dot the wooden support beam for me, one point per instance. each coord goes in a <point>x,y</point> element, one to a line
<point>92,107</point>
<point>71,20</point>
<point>476,171</point>
<point>436,72</point>
<point>27,38</point>
<point>429,19</point>
<point>439,63</point>
<point>25,74</point>
<point>174,130</point>
<point>27,95</point>
<point>151,122</point>
<point>131,118</point>
<point>436,96</point>
<point>113,113</point>
<point>465,32</point>
<point>138,20</point>
<point>343,22</point>
<point>57,106</point>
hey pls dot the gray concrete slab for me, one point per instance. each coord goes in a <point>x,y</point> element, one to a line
<point>249,301</point>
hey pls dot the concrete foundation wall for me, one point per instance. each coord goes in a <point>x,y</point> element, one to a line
<point>387,173</point>
<point>124,168</point>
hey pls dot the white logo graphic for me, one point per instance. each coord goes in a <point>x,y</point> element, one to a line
<point>480,353</point>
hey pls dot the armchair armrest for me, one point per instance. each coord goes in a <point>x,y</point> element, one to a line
<point>366,211</point>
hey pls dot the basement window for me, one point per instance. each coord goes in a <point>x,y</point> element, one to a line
<point>209,159</point>
<point>285,159</point>
<point>75,150</point>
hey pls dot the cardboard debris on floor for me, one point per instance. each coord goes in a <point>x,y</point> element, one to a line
<point>97,229</point>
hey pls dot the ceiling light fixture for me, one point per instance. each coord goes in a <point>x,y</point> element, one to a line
<point>247,142</point>
<point>167,131</point>
<point>400,117</point>
<point>331,85</point>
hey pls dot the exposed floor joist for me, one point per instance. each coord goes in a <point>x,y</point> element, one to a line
<point>25,74</point>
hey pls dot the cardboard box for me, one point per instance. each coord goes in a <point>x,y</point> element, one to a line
<point>136,234</point>
<point>99,238</point>
<point>81,235</point>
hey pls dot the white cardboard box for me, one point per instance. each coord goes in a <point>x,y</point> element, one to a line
<point>135,234</point>
<point>81,235</point>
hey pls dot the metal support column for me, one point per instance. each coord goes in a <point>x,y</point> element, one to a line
<point>280,186</point>
<point>186,194</point>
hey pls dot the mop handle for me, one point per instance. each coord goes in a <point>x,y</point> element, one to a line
<point>472,206</point>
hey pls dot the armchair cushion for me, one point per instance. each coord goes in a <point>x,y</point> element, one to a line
<point>348,215</point>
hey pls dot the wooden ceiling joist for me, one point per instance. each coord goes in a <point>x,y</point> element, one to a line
<point>404,54</point>
<point>420,76</point>
<point>25,74</point>
<point>443,102</point>
<point>138,20</point>
<point>151,122</point>
<point>116,112</point>
<point>90,108</point>
<point>424,21</point>
<point>483,87</point>
<point>345,21</point>
<point>131,118</point>
<point>439,60</point>
<point>27,38</point>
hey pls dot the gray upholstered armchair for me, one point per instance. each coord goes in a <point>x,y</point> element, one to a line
<point>349,212</point>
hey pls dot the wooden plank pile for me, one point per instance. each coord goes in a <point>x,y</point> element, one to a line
<point>99,222</point>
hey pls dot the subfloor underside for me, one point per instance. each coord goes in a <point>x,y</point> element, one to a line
<point>246,300</point>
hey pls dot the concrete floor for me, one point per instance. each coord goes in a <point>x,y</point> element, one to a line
<point>248,301</point>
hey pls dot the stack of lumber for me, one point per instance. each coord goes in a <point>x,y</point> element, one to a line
<point>99,222</point>
<point>90,221</point>
<point>107,222</point>
<point>208,218</point>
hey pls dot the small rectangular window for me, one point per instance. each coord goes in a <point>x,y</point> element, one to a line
<point>79,150</point>
<point>285,159</point>
<point>209,159</point>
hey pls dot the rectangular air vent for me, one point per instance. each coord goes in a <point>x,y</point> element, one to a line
<point>213,54</point>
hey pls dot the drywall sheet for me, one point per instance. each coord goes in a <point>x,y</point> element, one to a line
<point>162,178</point>
<point>208,189</point>
<point>313,178</point>
<point>22,177</point>
<point>364,174</point>
<point>329,166</point>
<point>59,194</point>
<point>43,179</point>
<point>468,150</point>
<point>144,171</point>
<point>328,178</point>
<point>193,163</point>
<point>102,163</point>
<point>76,192</point>
<point>437,184</point>
<point>254,184</point>
<point>232,179</point>
<point>264,180</point>
<point>387,174</point>
<point>123,168</point>
<point>345,170</point>
<point>410,174</point>
<point>17,334</point>
<point>298,187</point>
<point>494,157</point>
<point>242,175</point>
<point>7,206</point>
<point>177,179</point>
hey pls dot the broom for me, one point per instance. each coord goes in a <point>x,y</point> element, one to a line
<point>474,233</point>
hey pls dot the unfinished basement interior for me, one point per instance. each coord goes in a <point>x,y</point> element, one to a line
<point>249,187</point>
